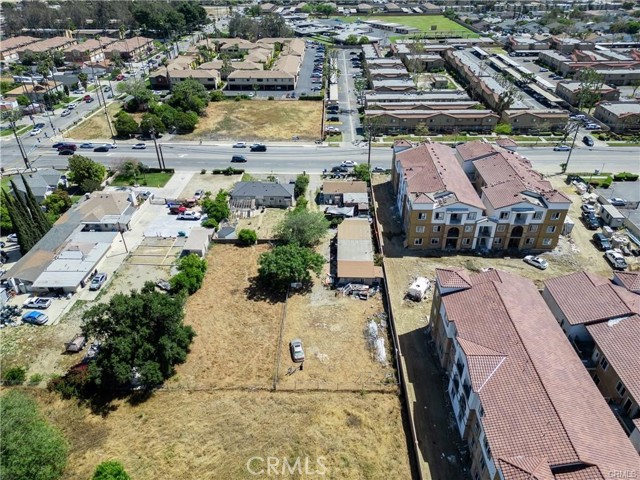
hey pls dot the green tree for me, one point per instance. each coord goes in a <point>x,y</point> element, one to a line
<point>153,122</point>
<point>363,40</point>
<point>247,236</point>
<point>14,376</point>
<point>58,202</point>
<point>5,219</point>
<point>23,100</point>
<point>21,222</point>
<point>189,96</point>
<point>286,264</point>
<point>217,208</point>
<point>217,96</point>
<point>83,168</point>
<point>351,40</point>
<point>253,11</point>
<point>300,188</point>
<point>38,218</point>
<point>325,9</point>
<point>302,227</point>
<point>140,332</point>
<point>590,90</point>
<point>137,88</point>
<point>185,122</point>
<point>362,172</point>
<point>110,470</point>
<point>166,113</point>
<point>30,447</point>
<point>503,129</point>
<point>126,125</point>
<point>210,223</point>
<point>82,78</point>
<point>191,270</point>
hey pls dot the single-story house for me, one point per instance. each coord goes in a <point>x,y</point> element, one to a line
<point>333,193</point>
<point>264,194</point>
<point>355,253</point>
<point>198,242</point>
<point>42,183</point>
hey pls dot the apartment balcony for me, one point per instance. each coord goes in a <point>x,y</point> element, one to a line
<point>484,232</point>
<point>455,221</point>
<point>623,417</point>
<point>520,221</point>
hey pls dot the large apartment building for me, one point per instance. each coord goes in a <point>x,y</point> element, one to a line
<point>477,196</point>
<point>522,400</point>
<point>602,322</point>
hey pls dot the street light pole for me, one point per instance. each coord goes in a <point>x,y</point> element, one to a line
<point>573,144</point>
<point>155,144</point>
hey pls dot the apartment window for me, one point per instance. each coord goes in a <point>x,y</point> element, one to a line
<point>533,228</point>
<point>466,241</point>
<point>468,228</point>
<point>504,215</point>
<point>438,216</point>
<point>500,228</point>
<point>555,216</point>
<point>417,241</point>
<point>436,228</point>
<point>497,241</point>
<point>482,464</point>
<point>537,216</point>
<point>435,241</point>
<point>471,216</point>
<point>620,388</point>
<point>486,446</point>
<point>604,364</point>
<point>420,229</point>
<point>551,229</point>
<point>546,242</point>
<point>529,241</point>
<point>596,379</point>
<point>422,216</point>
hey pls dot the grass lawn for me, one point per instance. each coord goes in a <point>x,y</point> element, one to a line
<point>19,130</point>
<point>156,179</point>
<point>250,120</point>
<point>623,144</point>
<point>424,23</point>
<point>96,126</point>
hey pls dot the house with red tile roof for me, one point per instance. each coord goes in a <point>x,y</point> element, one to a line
<point>522,400</point>
<point>602,321</point>
<point>507,205</point>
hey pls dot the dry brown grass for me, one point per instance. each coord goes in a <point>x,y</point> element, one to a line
<point>96,126</point>
<point>237,336</point>
<point>260,120</point>
<point>212,435</point>
<point>264,223</point>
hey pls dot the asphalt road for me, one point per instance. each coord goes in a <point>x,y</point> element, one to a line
<point>313,159</point>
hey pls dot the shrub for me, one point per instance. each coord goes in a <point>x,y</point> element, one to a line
<point>229,171</point>
<point>210,223</point>
<point>270,97</point>
<point>247,237</point>
<point>203,171</point>
<point>335,222</point>
<point>216,171</point>
<point>14,376</point>
<point>35,379</point>
<point>110,470</point>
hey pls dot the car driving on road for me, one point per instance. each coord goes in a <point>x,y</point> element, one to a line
<point>561,148</point>
<point>86,145</point>
<point>101,148</point>
<point>258,147</point>
<point>35,131</point>
<point>238,159</point>
<point>139,146</point>
<point>239,145</point>
<point>348,163</point>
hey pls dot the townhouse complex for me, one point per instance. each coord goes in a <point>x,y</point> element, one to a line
<point>474,197</point>
<point>523,401</point>
<point>267,64</point>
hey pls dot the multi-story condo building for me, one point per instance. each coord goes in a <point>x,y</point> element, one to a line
<point>602,321</point>
<point>620,117</point>
<point>522,400</point>
<point>477,196</point>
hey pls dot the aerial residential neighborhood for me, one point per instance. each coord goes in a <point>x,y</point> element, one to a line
<point>319,240</point>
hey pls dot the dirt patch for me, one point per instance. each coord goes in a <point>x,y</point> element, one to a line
<point>96,126</point>
<point>209,183</point>
<point>259,120</point>
<point>263,223</point>
<point>237,334</point>
<point>211,435</point>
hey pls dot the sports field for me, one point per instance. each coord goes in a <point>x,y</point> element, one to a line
<point>422,22</point>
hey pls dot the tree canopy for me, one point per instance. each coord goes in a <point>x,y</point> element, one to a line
<point>302,227</point>
<point>269,25</point>
<point>140,332</point>
<point>191,270</point>
<point>189,96</point>
<point>286,264</point>
<point>110,470</point>
<point>362,172</point>
<point>83,169</point>
<point>300,188</point>
<point>30,447</point>
<point>137,88</point>
<point>218,208</point>
<point>58,202</point>
<point>125,125</point>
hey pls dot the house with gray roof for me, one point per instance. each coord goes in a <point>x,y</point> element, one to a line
<point>263,194</point>
<point>42,183</point>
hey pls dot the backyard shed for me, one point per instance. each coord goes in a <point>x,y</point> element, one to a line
<point>198,242</point>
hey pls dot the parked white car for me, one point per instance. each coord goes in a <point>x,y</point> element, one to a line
<point>38,302</point>
<point>189,215</point>
<point>537,262</point>
<point>616,260</point>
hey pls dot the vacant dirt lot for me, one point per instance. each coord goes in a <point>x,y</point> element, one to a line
<point>263,223</point>
<point>210,420</point>
<point>209,183</point>
<point>96,126</point>
<point>252,120</point>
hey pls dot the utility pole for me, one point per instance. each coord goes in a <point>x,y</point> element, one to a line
<point>25,158</point>
<point>575,135</point>
<point>155,144</point>
<point>162,156</point>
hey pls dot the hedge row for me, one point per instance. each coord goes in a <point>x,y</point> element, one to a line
<point>227,171</point>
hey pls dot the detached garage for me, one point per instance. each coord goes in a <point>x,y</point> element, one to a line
<point>198,242</point>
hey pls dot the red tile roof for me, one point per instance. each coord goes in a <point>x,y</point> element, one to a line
<point>629,280</point>
<point>474,150</point>
<point>619,342</point>
<point>432,170</point>
<point>584,298</point>
<point>453,277</point>
<point>539,403</point>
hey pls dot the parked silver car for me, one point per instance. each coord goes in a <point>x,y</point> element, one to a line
<point>38,303</point>
<point>97,281</point>
<point>297,352</point>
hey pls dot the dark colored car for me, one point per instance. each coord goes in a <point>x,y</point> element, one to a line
<point>238,159</point>
<point>339,169</point>
<point>102,148</point>
<point>591,221</point>
<point>68,146</point>
<point>258,147</point>
<point>587,140</point>
<point>333,119</point>
<point>601,242</point>
<point>39,125</point>
<point>66,152</point>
